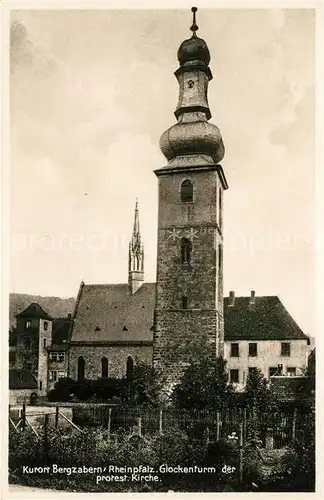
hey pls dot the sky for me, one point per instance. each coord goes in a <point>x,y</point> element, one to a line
<point>91,93</point>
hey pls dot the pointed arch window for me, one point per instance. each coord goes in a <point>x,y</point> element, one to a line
<point>129,366</point>
<point>104,367</point>
<point>186,191</point>
<point>186,250</point>
<point>81,368</point>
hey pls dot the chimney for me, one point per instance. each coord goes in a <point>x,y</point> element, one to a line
<point>231,299</point>
<point>252,297</point>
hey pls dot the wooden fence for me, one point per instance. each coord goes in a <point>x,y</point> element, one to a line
<point>276,430</point>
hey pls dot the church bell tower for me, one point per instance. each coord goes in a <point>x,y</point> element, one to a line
<point>188,319</point>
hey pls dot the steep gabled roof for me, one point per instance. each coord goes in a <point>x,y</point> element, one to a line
<point>110,313</point>
<point>33,311</point>
<point>60,330</point>
<point>266,319</point>
<point>21,379</point>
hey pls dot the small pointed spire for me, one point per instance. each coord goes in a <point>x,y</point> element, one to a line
<point>194,26</point>
<point>136,230</point>
<point>135,256</point>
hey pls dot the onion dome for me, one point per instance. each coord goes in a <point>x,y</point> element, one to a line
<point>191,138</point>
<point>193,135</point>
<point>194,49</point>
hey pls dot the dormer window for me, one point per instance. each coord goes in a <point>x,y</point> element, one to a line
<point>186,191</point>
<point>28,323</point>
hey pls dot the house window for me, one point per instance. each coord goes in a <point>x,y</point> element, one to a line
<point>129,366</point>
<point>234,376</point>
<point>104,367</point>
<point>285,348</point>
<point>57,357</point>
<point>81,368</point>
<point>234,350</point>
<point>273,370</point>
<point>53,376</point>
<point>186,249</point>
<point>28,324</point>
<point>27,342</point>
<point>291,371</point>
<point>252,369</point>
<point>184,302</point>
<point>45,325</point>
<point>40,385</point>
<point>186,191</point>
<point>253,349</point>
<point>45,343</point>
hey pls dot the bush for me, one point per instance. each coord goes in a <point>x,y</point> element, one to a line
<point>101,389</point>
<point>106,388</point>
<point>92,448</point>
<point>204,385</point>
<point>141,387</point>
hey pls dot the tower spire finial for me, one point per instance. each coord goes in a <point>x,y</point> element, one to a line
<point>194,26</point>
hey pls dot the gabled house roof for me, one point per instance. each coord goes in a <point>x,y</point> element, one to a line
<point>60,330</point>
<point>21,379</point>
<point>110,313</point>
<point>33,311</point>
<point>266,319</point>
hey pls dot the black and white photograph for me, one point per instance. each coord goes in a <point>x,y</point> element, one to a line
<point>162,310</point>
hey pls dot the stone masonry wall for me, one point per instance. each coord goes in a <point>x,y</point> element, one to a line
<point>117,358</point>
<point>183,331</point>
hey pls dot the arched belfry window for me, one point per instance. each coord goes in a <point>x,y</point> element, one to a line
<point>129,366</point>
<point>186,191</point>
<point>81,368</point>
<point>186,249</point>
<point>104,367</point>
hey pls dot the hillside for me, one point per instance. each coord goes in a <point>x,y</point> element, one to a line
<point>55,306</point>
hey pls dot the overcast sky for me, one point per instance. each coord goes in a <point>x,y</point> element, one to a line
<point>91,93</point>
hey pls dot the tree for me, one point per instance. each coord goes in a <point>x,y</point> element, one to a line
<point>204,385</point>
<point>142,386</point>
<point>258,393</point>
